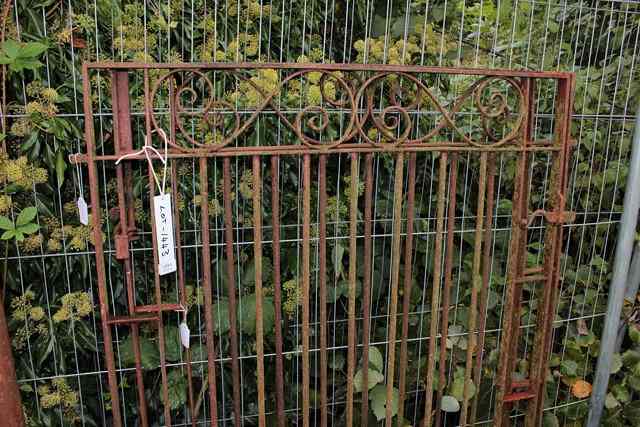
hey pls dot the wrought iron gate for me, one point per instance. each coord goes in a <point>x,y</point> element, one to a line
<point>215,116</point>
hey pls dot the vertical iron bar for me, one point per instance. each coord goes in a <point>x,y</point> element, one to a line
<point>231,289</point>
<point>486,272</point>
<point>96,225</point>
<point>158,289</point>
<point>122,135</point>
<point>207,285</point>
<point>408,283</point>
<point>366,285</point>
<point>322,255</point>
<point>179,259</point>
<point>181,287</point>
<point>516,264</point>
<point>553,246</point>
<point>475,289</point>
<point>277,293</point>
<point>446,291</point>
<point>306,275</point>
<point>395,279</point>
<point>257,260</point>
<point>351,334</point>
<point>435,294</point>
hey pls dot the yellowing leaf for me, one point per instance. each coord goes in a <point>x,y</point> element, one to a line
<point>581,389</point>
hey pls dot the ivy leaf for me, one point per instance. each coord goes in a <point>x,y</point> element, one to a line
<point>616,363</point>
<point>378,398</point>
<point>373,378</point>
<point>449,404</point>
<point>150,356</point>
<point>6,223</point>
<point>611,402</point>
<point>569,368</point>
<point>26,216</point>
<point>375,358</point>
<point>248,314</point>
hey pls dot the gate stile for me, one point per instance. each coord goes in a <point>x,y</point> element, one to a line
<point>371,124</point>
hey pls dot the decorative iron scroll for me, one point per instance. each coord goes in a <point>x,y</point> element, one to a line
<point>212,108</point>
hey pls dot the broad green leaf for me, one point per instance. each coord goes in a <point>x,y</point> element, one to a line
<point>19,236</point>
<point>11,48</point>
<point>375,358</point>
<point>26,216</point>
<point>378,398</point>
<point>247,314</point>
<point>569,368</point>
<point>621,392</point>
<point>6,223</point>
<point>172,345</point>
<point>29,228</point>
<point>220,310</point>
<point>550,420</point>
<point>616,363</point>
<point>611,402</point>
<point>32,49</point>
<point>373,378</point>
<point>449,404</point>
<point>9,234</point>
<point>630,357</point>
<point>150,356</point>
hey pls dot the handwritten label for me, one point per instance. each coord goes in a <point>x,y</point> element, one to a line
<point>83,211</point>
<point>184,334</point>
<point>164,234</point>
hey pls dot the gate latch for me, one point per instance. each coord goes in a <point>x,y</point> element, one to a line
<point>552,217</point>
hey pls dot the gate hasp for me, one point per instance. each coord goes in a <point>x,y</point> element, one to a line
<point>267,117</point>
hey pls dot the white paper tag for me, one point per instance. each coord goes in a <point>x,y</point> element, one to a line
<point>164,234</point>
<point>83,211</point>
<point>184,334</point>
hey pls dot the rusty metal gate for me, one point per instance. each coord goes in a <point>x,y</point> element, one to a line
<point>284,120</point>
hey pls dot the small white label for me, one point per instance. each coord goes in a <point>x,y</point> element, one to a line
<point>83,211</point>
<point>164,234</point>
<point>184,334</point>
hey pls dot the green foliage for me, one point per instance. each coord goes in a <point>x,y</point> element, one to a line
<point>24,225</point>
<point>21,56</point>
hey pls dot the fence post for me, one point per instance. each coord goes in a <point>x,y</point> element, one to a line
<point>10,404</point>
<point>624,247</point>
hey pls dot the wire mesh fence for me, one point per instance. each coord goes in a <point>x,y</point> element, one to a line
<point>51,281</point>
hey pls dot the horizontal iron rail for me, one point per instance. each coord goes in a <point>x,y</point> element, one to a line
<point>290,66</point>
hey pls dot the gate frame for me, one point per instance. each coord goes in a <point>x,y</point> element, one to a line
<point>509,392</point>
